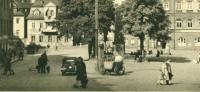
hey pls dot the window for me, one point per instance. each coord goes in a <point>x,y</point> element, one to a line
<point>17,33</point>
<point>36,13</point>
<point>41,25</point>
<point>178,6</point>
<point>199,21</point>
<point>33,25</point>
<point>49,38</point>
<point>32,38</point>
<point>189,23</point>
<point>178,23</point>
<point>166,5</point>
<point>189,4</point>
<point>197,39</point>
<point>17,20</point>
<point>181,42</point>
<point>199,6</point>
<point>40,38</point>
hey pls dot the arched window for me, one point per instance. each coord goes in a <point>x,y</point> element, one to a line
<point>36,12</point>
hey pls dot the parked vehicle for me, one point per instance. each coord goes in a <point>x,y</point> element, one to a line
<point>32,48</point>
<point>68,65</point>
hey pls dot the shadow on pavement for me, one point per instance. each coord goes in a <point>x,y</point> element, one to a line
<point>173,59</point>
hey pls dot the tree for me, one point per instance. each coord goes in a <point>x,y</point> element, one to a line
<point>146,18</point>
<point>78,15</point>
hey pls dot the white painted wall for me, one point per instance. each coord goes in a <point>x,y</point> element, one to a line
<point>18,28</point>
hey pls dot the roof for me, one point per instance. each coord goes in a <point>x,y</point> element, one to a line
<point>18,13</point>
<point>20,4</point>
<point>38,3</point>
<point>41,3</point>
<point>50,33</point>
<point>31,15</point>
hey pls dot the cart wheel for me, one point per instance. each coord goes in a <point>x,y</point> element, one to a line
<point>123,70</point>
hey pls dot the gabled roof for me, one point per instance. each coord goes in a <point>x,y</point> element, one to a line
<point>19,4</point>
<point>41,3</point>
<point>38,3</point>
<point>31,15</point>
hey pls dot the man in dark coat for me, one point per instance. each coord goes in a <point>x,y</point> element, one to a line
<point>39,64</point>
<point>7,65</point>
<point>21,54</point>
<point>81,73</point>
<point>44,62</point>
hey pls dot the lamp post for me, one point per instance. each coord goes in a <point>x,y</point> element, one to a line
<point>96,28</point>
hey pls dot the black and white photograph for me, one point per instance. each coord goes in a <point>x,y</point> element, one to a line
<point>100,45</point>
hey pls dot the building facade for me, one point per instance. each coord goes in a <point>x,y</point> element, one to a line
<point>185,25</point>
<point>5,22</point>
<point>40,30</point>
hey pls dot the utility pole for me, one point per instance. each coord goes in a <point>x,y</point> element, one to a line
<point>96,28</point>
<point>174,24</point>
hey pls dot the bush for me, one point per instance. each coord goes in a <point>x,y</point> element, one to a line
<point>164,58</point>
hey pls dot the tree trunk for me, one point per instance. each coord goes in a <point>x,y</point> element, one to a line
<point>142,37</point>
<point>141,43</point>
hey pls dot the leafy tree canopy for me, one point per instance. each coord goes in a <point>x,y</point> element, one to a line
<point>146,17</point>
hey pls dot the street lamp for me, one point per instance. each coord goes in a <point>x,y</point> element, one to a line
<point>96,28</point>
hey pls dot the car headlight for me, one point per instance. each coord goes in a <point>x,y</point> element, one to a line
<point>70,67</point>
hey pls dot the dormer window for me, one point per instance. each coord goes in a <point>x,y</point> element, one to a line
<point>49,13</point>
<point>36,12</point>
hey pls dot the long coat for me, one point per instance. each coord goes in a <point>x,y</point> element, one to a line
<point>166,70</point>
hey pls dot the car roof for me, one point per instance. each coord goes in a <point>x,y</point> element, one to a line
<point>69,59</point>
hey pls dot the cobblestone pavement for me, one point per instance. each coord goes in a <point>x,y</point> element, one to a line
<point>138,76</point>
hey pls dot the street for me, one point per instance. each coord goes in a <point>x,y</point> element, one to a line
<point>138,76</point>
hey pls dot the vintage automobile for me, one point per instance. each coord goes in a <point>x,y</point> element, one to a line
<point>68,65</point>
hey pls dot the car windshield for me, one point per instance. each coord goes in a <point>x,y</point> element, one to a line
<point>70,60</point>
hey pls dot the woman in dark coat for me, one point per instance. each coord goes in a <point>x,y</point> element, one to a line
<point>81,73</point>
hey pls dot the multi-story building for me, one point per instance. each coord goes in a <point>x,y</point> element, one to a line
<point>33,22</point>
<point>185,25</point>
<point>21,10</point>
<point>5,22</point>
<point>40,30</point>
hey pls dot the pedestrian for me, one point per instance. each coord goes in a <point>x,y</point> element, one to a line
<point>169,69</point>
<point>166,69</point>
<point>2,55</point>
<point>158,53</point>
<point>39,66</point>
<point>161,78</point>
<point>44,62</point>
<point>21,55</point>
<point>81,79</point>
<point>7,66</point>
<point>89,50</point>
